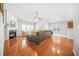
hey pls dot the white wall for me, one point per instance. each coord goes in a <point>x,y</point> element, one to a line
<point>76,29</point>
<point>1,35</point>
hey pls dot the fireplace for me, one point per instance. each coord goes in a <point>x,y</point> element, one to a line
<point>12,34</point>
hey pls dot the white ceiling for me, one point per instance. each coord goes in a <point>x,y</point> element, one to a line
<point>50,11</point>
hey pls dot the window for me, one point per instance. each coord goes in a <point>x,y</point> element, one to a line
<point>29,27</point>
<point>59,28</point>
<point>55,29</point>
<point>24,27</point>
<point>38,27</point>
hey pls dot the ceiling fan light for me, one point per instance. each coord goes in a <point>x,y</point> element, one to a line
<point>36,19</point>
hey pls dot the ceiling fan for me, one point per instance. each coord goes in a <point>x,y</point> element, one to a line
<point>37,18</point>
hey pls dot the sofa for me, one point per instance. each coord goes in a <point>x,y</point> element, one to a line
<point>40,36</point>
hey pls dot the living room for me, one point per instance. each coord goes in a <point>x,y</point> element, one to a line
<point>41,29</point>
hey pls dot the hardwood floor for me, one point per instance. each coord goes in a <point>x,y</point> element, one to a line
<point>53,46</point>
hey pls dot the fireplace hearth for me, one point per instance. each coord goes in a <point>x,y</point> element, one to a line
<point>12,34</point>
